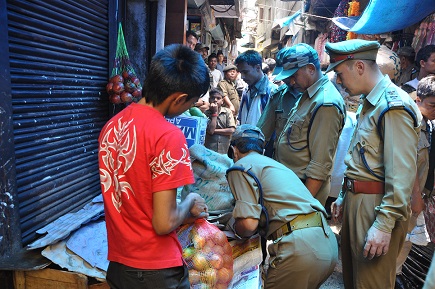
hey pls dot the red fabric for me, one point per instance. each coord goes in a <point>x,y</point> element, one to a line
<point>140,153</point>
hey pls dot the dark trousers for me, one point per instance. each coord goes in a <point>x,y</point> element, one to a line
<point>120,276</point>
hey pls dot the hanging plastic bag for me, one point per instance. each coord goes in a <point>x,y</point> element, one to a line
<point>124,85</point>
<point>208,255</point>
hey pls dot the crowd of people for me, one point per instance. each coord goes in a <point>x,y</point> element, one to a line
<point>282,127</point>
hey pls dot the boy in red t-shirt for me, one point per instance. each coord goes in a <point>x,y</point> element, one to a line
<point>143,159</point>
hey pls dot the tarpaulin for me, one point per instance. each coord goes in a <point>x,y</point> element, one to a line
<point>282,22</point>
<point>382,16</point>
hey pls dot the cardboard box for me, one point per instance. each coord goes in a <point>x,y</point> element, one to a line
<point>193,127</point>
<point>53,279</point>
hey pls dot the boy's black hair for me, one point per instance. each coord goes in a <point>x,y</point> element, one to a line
<point>271,63</point>
<point>213,55</point>
<point>176,68</point>
<point>426,87</point>
<point>250,57</point>
<point>424,54</point>
<point>215,90</point>
<point>190,32</point>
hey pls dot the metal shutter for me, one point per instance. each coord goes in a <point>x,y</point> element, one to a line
<point>59,63</point>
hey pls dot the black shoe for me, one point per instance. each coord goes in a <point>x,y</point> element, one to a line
<point>402,283</point>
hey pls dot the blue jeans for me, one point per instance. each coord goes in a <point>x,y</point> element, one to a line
<point>120,276</point>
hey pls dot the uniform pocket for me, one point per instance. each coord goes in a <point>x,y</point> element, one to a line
<point>295,129</point>
<point>368,147</point>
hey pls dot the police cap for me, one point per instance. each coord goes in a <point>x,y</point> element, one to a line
<point>294,57</point>
<point>229,67</point>
<point>350,50</point>
<point>247,131</point>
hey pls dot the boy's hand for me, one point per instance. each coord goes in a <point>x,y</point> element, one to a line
<point>213,108</point>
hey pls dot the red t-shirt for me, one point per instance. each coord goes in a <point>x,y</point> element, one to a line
<point>140,153</point>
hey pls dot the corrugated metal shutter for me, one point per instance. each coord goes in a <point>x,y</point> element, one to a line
<point>59,68</point>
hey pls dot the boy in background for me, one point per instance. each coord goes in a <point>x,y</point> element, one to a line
<point>221,123</point>
<point>143,159</point>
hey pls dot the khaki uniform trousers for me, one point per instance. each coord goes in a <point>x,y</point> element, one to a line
<point>358,272</point>
<point>303,259</point>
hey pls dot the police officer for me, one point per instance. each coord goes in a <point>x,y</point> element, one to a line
<point>309,139</point>
<point>228,87</point>
<point>304,250</point>
<point>381,167</point>
<point>408,69</point>
<point>276,112</point>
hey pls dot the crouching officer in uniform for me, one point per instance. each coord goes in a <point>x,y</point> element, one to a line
<point>304,250</point>
<point>381,167</point>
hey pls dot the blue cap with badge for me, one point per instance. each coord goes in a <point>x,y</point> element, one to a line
<point>295,57</point>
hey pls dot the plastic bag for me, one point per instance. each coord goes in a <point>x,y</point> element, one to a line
<point>208,255</point>
<point>124,85</point>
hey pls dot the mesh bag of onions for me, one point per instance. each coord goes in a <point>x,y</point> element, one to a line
<point>124,85</point>
<point>208,255</point>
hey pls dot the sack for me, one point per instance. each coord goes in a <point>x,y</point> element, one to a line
<point>124,85</point>
<point>208,255</point>
<point>209,169</point>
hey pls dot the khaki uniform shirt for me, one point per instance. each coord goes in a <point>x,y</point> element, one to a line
<point>230,91</point>
<point>285,196</point>
<point>393,157</point>
<point>276,112</point>
<point>217,142</point>
<point>313,159</point>
<point>406,75</point>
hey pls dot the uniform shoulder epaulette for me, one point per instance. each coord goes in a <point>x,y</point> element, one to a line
<point>393,98</point>
<point>394,101</point>
<point>278,91</point>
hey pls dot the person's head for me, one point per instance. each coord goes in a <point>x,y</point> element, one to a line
<point>246,138</point>
<point>407,56</point>
<point>176,70</point>
<point>426,97</point>
<point>300,66</point>
<point>220,56</point>
<point>354,62</point>
<point>202,49</point>
<point>425,60</point>
<point>265,68</point>
<point>249,65</point>
<point>216,96</point>
<point>212,61</point>
<point>230,72</point>
<point>191,39</point>
<point>271,63</point>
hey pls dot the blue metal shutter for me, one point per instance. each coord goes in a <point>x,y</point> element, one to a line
<point>59,61</point>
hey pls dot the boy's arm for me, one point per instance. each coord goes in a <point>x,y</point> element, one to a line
<point>168,216</point>
<point>211,126</point>
<point>225,131</point>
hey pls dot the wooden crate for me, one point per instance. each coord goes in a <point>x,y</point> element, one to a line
<point>53,279</point>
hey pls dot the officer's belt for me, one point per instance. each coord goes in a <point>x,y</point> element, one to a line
<point>300,222</point>
<point>363,187</point>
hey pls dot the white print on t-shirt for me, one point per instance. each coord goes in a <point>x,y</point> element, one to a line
<point>117,152</point>
<point>164,164</point>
